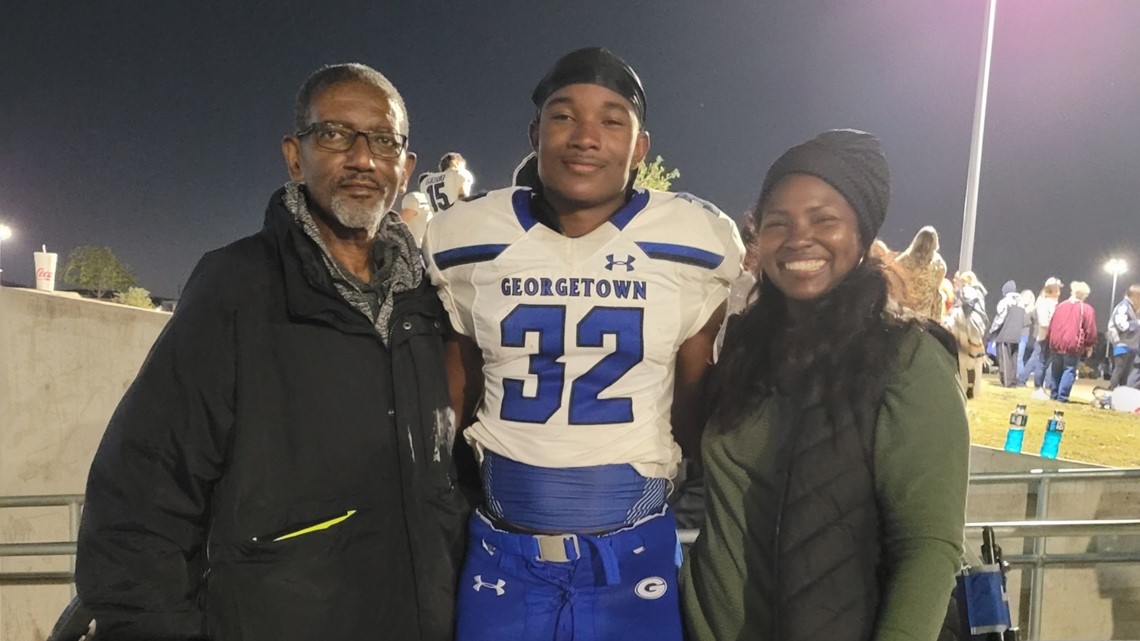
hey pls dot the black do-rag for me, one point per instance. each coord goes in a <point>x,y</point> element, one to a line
<point>853,163</point>
<point>594,66</point>
<point>526,174</point>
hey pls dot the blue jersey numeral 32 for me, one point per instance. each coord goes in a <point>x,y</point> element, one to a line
<point>549,323</point>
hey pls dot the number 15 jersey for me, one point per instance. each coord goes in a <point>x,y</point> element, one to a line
<point>579,336</point>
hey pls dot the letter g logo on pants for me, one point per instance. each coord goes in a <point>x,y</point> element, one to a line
<point>652,588</point>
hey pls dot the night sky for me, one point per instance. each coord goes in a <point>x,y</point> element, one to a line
<point>154,127</point>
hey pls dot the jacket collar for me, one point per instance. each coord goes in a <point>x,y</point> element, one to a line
<point>309,289</point>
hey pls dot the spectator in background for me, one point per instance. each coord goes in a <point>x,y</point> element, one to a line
<point>946,294</point>
<point>1124,336</point>
<point>1028,342</point>
<point>1072,335</point>
<point>742,291</point>
<point>896,279</point>
<point>968,287</point>
<point>1005,332</point>
<point>967,322</point>
<point>1038,364</point>
<point>923,270</point>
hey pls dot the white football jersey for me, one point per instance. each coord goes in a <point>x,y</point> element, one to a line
<point>417,202</point>
<point>445,188</point>
<point>579,336</point>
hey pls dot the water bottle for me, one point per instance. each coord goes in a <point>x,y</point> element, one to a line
<point>1016,433</point>
<point>1054,430</point>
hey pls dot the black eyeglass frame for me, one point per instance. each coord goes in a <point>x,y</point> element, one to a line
<point>355,133</point>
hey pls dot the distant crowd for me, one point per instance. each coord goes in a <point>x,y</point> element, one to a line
<point>1037,338</point>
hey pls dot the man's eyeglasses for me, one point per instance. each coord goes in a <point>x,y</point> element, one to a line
<point>333,137</point>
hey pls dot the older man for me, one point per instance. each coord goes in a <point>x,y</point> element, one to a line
<point>1072,335</point>
<point>280,469</point>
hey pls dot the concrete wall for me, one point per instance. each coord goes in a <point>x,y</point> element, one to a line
<point>64,364</point>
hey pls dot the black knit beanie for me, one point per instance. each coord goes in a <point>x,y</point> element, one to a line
<point>852,162</point>
<point>594,66</point>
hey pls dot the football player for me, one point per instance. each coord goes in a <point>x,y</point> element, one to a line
<point>453,182</point>
<point>416,211</point>
<point>583,314</point>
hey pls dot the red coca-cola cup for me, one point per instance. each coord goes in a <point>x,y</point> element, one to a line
<point>45,270</point>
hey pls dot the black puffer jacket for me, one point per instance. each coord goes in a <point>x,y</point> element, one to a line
<point>269,404</point>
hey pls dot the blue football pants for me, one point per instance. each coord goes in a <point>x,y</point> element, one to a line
<point>620,586</point>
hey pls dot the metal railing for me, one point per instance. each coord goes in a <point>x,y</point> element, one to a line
<point>74,504</point>
<point>1039,530</point>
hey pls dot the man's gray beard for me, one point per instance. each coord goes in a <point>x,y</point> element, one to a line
<point>358,216</point>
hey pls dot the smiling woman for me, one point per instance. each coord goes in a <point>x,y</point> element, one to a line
<point>808,237</point>
<point>836,461</point>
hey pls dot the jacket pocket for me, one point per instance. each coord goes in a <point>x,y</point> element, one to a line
<point>345,581</point>
<point>302,529</point>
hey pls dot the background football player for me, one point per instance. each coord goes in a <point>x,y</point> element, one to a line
<point>452,182</point>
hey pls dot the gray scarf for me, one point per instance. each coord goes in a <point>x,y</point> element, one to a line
<point>397,267</point>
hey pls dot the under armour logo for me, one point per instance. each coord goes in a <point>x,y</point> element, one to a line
<point>652,588</point>
<point>499,588</point>
<point>627,263</point>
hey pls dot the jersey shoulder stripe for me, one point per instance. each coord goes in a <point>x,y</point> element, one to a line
<point>449,258</point>
<point>689,231</point>
<point>681,254</point>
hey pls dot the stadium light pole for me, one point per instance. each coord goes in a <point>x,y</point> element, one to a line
<point>5,234</point>
<point>1116,267</point>
<point>974,174</point>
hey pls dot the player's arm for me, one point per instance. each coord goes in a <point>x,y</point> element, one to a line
<point>693,361</point>
<point>462,357</point>
<point>464,362</point>
<point>695,356</point>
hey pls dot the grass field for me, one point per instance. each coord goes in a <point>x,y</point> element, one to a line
<point>1091,435</point>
